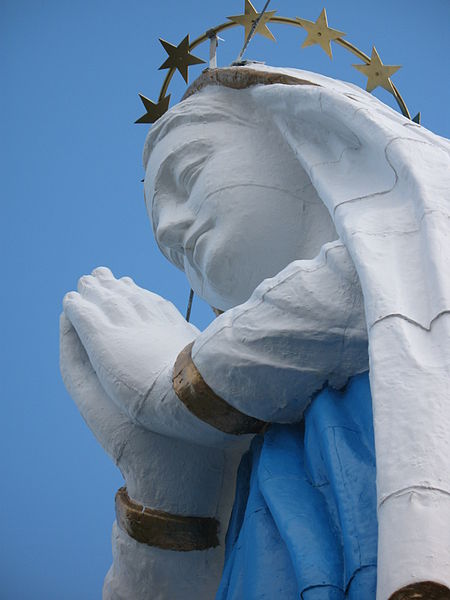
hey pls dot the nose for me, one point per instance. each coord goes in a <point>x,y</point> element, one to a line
<point>172,226</point>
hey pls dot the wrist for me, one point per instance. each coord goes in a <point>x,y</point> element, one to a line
<point>172,475</point>
<point>160,529</point>
<point>138,568</point>
<point>162,411</point>
<point>203,487</point>
<point>204,403</point>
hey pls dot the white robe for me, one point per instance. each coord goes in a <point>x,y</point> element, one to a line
<point>385,181</point>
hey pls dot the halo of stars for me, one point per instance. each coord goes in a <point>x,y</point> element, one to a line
<point>180,57</point>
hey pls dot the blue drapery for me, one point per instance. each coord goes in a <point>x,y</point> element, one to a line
<point>304,521</point>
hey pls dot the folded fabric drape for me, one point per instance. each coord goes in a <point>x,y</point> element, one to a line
<point>304,522</point>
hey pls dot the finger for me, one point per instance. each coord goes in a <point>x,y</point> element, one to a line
<point>85,283</point>
<point>130,446</point>
<point>91,289</point>
<point>151,305</point>
<point>127,281</point>
<point>74,362</point>
<point>124,287</point>
<point>106,277</point>
<point>110,426</point>
<point>97,290</point>
<point>103,274</point>
<point>85,316</point>
<point>113,305</point>
<point>125,296</point>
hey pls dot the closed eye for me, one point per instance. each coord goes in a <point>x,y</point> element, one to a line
<point>181,167</point>
<point>189,174</point>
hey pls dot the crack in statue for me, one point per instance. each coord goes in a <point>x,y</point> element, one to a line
<point>241,179</point>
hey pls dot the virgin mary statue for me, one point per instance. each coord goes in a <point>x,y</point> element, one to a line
<point>315,220</point>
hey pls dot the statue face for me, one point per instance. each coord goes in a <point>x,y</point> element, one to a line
<point>231,206</point>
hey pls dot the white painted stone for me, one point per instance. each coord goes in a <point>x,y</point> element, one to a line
<point>299,330</point>
<point>282,204</point>
<point>139,571</point>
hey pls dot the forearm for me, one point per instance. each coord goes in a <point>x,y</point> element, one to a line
<point>155,558</point>
<point>172,475</point>
<point>162,411</point>
<point>298,331</point>
<point>143,572</point>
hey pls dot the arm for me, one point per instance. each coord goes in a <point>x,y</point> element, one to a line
<point>267,365</point>
<point>299,330</point>
<point>170,475</point>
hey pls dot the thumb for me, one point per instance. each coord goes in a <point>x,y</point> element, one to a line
<point>111,427</point>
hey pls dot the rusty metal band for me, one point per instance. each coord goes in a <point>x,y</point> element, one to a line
<point>282,21</point>
<point>240,78</point>
<point>423,590</point>
<point>200,399</point>
<point>164,530</point>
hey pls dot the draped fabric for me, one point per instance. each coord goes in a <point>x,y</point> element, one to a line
<point>304,521</point>
<point>385,182</point>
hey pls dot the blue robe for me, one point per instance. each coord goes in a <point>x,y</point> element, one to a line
<point>304,522</point>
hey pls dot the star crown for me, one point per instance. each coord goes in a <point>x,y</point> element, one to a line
<point>318,32</point>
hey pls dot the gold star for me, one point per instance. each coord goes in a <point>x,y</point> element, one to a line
<point>249,17</point>
<point>377,73</point>
<point>154,110</point>
<point>320,33</point>
<point>179,57</point>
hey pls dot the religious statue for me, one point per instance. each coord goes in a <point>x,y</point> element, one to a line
<point>315,409</point>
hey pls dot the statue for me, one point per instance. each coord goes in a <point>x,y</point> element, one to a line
<point>316,219</point>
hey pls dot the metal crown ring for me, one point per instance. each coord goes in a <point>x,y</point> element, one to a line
<point>180,57</point>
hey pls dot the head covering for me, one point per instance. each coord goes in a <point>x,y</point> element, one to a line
<point>385,182</point>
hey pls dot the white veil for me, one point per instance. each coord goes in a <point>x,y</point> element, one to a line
<point>385,182</point>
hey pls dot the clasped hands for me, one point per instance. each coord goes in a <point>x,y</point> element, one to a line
<point>119,343</point>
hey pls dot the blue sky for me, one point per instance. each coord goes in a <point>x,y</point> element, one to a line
<point>72,200</point>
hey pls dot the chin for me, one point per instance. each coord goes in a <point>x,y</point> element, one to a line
<point>220,296</point>
<point>217,296</point>
<point>227,274</point>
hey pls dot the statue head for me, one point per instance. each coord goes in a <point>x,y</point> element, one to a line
<point>229,202</point>
<point>258,167</point>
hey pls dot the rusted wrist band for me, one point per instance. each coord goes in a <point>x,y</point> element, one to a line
<point>162,529</point>
<point>423,590</point>
<point>199,398</point>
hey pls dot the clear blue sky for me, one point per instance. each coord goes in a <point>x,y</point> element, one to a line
<point>72,199</point>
